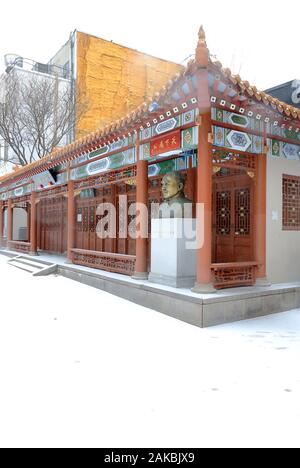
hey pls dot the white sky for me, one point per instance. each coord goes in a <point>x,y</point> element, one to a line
<point>260,38</point>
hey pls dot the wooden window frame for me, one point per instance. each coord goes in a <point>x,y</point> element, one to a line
<point>290,202</point>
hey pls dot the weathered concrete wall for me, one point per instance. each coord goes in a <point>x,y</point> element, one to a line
<point>283,247</point>
<point>115,80</point>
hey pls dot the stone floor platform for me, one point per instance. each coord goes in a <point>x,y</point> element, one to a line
<point>224,306</point>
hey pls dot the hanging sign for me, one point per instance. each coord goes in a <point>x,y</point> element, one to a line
<point>166,143</point>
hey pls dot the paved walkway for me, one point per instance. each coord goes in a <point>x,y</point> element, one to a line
<point>82,368</point>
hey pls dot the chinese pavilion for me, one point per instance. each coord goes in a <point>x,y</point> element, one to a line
<point>239,149</point>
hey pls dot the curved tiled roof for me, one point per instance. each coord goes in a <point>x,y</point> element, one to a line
<point>95,139</point>
<point>260,96</point>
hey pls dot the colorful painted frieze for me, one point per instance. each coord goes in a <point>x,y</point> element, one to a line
<point>16,192</point>
<point>187,118</point>
<point>105,150</point>
<point>284,132</point>
<point>189,138</point>
<point>281,149</point>
<point>238,120</point>
<point>256,124</point>
<point>179,164</point>
<point>237,140</point>
<point>124,158</point>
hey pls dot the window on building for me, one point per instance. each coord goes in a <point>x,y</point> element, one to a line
<point>66,68</point>
<point>291,203</point>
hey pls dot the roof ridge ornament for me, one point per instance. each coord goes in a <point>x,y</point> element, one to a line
<point>202,52</point>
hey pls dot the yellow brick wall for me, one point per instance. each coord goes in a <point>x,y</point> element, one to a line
<point>115,80</point>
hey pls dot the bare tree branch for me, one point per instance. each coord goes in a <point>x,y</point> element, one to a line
<point>37,114</point>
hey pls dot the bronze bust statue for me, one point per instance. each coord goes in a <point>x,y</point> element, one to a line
<point>176,204</point>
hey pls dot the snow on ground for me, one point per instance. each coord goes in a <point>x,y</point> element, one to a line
<point>82,368</point>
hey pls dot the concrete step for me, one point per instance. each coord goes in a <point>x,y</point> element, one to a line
<point>21,266</point>
<point>28,263</point>
<point>35,267</point>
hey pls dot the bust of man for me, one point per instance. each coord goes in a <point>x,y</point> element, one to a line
<point>175,204</point>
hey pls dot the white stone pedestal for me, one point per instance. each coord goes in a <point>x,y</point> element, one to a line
<point>173,263</point>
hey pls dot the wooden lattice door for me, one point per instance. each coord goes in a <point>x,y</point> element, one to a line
<point>126,231</point>
<point>52,224</point>
<point>87,220</point>
<point>233,219</point>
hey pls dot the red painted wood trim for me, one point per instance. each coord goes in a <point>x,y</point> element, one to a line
<point>217,266</point>
<point>104,254</point>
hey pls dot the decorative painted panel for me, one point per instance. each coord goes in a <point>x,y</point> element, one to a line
<point>17,184</point>
<point>240,141</point>
<point>106,150</point>
<point>116,161</point>
<point>249,122</point>
<point>289,134</point>
<point>145,151</point>
<point>231,118</point>
<point>189,138</point>
<point>162,168</point>
<point>178,164</point>
<point>168,125</point>
<point>3,196</point>
<point>280,149</point>
<point>17,192</point>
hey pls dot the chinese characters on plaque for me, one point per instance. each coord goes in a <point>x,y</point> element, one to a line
<point>166,143</point>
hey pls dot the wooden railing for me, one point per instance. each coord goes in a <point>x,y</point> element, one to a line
<point>116,263</point>
<point>229,275</point>
<point>19,246</point>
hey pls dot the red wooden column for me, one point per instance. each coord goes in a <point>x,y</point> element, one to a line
<point>190,181</point>
<point>33,224</point>
<point>71,220</point>
<point>10,211</point>
<point>204,172</point>
<point>1,222</point>
<point>114,202</point>
<point>204,200</point>
<point>141,269</point>
<point>260,219</point>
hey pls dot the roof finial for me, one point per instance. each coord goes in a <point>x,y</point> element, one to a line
<point>201,34</point>
<point>202,52</point>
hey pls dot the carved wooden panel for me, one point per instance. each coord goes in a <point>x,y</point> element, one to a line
<point>115,263</point>
<point>234,160</point>
<point>291,203</point>
<point>223,212</point>
<point>86,228</point>
<point>52,224</point>
<point>234,275</point>
<point>242,212</point>
<point>19,246</point>
<point>233,228</point>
